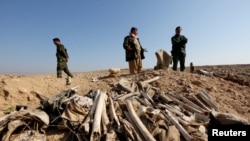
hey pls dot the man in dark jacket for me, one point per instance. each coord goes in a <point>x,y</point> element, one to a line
<point>178,49</point>
<point>134,51</point>
<point>62,59</point>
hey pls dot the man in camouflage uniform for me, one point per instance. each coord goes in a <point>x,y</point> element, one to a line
<point>62,59</point>
<point>178,49</point>
<point>134,51</point>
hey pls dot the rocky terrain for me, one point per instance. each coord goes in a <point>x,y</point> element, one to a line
<point>227,85</point>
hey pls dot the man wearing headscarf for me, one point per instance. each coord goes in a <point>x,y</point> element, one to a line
<point>134,51</point>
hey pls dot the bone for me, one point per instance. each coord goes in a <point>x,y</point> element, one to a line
<point>105,119</point>
<point>200,103</point>
<point>131,132</point>
<point>188,102</point>
<point>124,97</point>
<point>96,127</point>
<point>165,98</point>
<point>142,84</point>
<point>148,98</point>
<point>178,126</point>
<point>187,107</point>
<point>151,80</point>
<point>144,131</point>
<point>113,116</point>
<point>207,100</point>
<point>86,123</point>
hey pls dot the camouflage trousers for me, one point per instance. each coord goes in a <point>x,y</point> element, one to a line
<point>62,66</point>
<point>179,57</point>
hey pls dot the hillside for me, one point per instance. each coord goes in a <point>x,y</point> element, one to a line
<point>228,87</point>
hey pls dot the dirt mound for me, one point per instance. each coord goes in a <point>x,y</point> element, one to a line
<point>231,95</point>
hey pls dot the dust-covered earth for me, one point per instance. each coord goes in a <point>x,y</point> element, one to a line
<point>228,86</point>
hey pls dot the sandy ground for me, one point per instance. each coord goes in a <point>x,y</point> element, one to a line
<point>231,96</point>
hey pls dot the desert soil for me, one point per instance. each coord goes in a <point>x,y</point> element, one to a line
<point>231,96</point>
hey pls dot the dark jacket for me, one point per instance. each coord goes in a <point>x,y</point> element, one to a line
<point>61,54</point>
<point>131,54</point>
<point>178,44</point>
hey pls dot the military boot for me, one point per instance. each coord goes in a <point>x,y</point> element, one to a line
<point>68,80</point>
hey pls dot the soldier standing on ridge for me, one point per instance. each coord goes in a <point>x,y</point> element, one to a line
<point>178,49</point>
<point>134,51</point>
<point>62,59</point>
